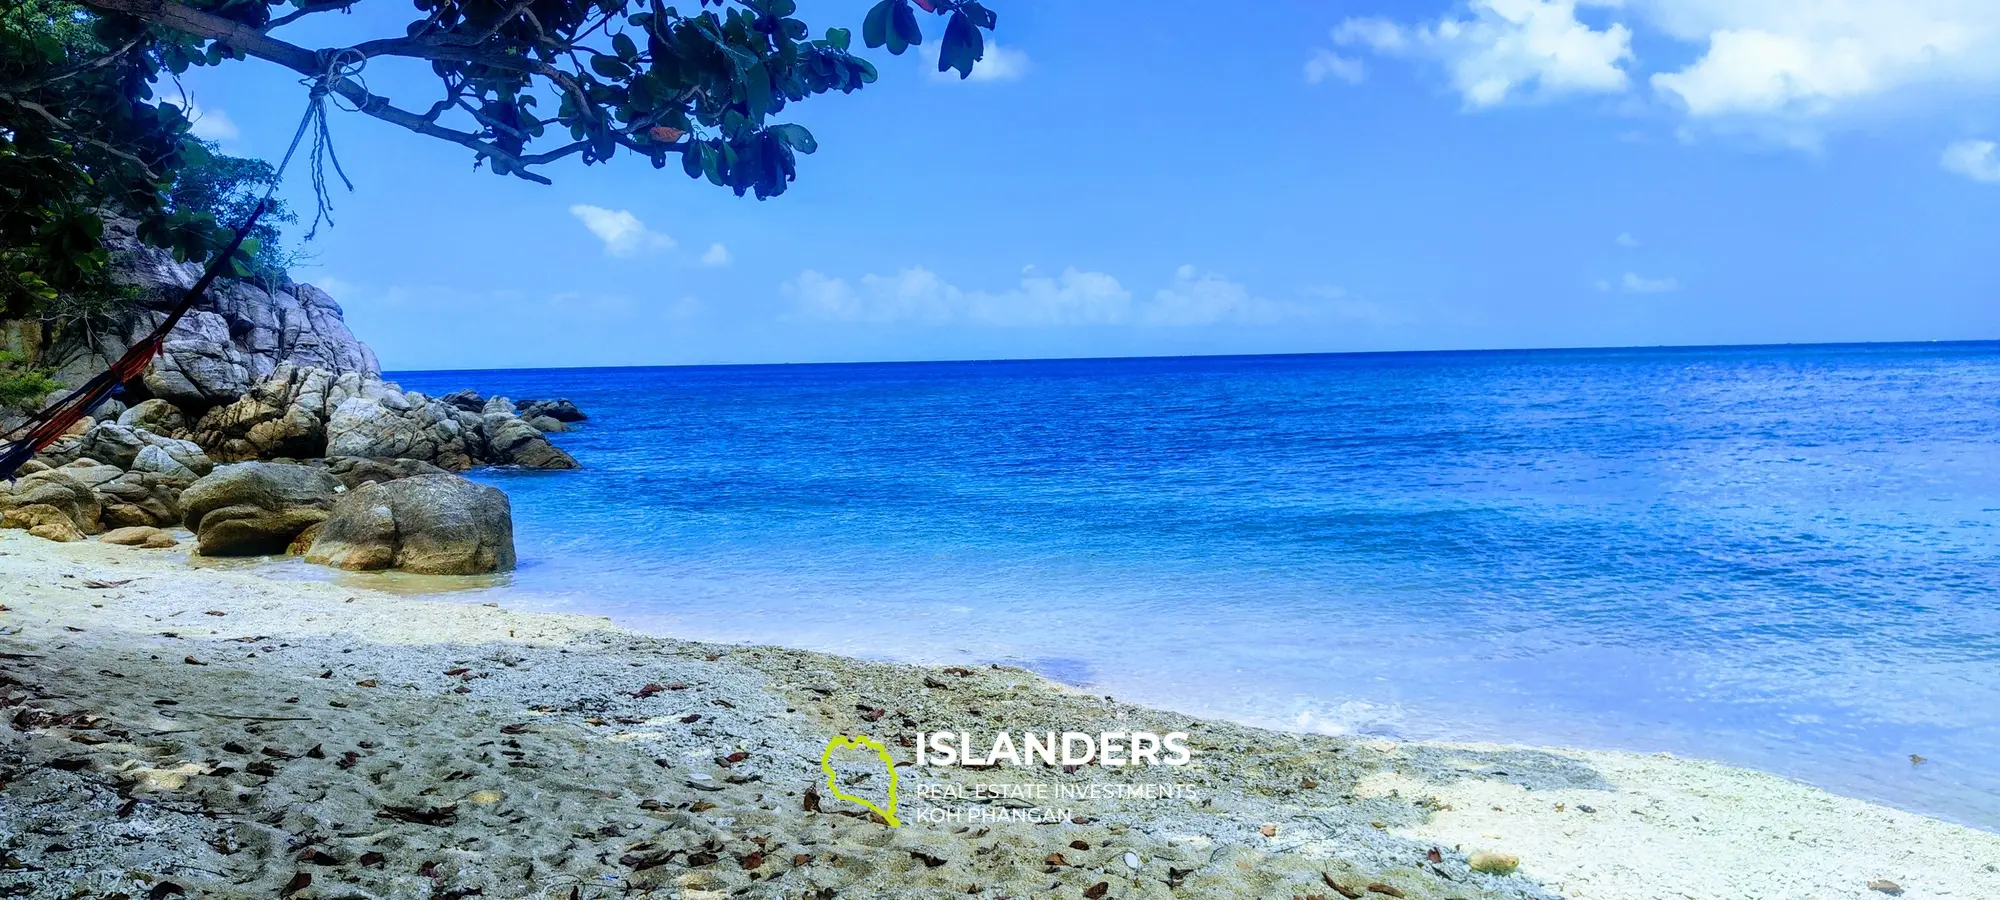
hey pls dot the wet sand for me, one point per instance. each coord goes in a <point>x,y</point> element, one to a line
<point>212,732</point>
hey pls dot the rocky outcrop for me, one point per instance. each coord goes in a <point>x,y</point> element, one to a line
<point>303,413</point>
<point>398,426</point>
<point>136,476</point>
<point>255,508</point>
<point>281,417</point>
<point>157,416</point>
<point>355,471</point>
<point>138,449</point>
<point>429,524</point>
<point>51,503</point>
<point>237,336</point>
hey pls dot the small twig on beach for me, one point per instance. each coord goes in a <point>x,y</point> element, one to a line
<point>256,718</point>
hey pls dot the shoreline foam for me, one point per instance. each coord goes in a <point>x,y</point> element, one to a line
<point>545,766</point>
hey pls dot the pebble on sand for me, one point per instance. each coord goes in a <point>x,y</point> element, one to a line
<point>1494,863</point>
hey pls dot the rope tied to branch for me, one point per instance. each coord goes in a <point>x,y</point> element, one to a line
<point>337,66</point>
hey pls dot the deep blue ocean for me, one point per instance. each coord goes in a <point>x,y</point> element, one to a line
<point>1780,557</point>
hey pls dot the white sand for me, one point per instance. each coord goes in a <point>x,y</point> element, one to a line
<point>536,772</point>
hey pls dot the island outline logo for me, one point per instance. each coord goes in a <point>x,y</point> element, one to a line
<point>842,742</point>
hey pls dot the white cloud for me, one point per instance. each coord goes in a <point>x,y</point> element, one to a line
<point>1197,298</point>
<point>210,124</point>
<point>999,64</point>
<point>1787,70</point>
<point>1973,159</point>
<point>1634,283</point>
<point>1802,60</point>
<point>621,231</point>
<point>1507,49</point>
<point>1625,239</point>
<point>918,295</point>
<point>717,255</point>
<point>1326,64</point>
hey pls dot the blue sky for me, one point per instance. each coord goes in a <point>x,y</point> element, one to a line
<point>1173,178</point>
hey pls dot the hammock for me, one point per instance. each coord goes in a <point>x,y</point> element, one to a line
<point>53,423</point>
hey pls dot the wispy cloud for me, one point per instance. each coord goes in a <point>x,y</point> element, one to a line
<point>1976,160</point>
<point>210,124</point>
<point>919,295</point>
<point>1326,64</point>
<point>1205,298</point>
<point>1634,283</point>
<point>717,255</point>
<point>1074,298</point>
<point>621,231</point>
<point>1625,239</point>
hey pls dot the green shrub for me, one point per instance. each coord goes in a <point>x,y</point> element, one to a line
<point>21,385</point>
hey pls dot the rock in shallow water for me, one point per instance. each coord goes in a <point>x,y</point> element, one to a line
<point>428,524</point>
<point>140,536</point>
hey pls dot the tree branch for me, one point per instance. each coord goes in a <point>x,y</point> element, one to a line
<point>318,6</point>
<point>254,42</point>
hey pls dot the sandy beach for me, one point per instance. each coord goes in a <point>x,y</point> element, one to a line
<point>212,732</point>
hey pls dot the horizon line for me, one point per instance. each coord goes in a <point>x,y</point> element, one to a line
<point>1218,356</point>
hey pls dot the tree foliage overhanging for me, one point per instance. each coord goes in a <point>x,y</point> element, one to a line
<point>520,83</point>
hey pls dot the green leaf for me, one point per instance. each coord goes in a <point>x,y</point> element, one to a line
<point>875,28</point>
<point>839,38</point>
<point>711,162</point>
<point>962,46</point>
<point>691,159</point>
<point>903,29</point>
<point>796,137</point>
<point>609,67</point>
<point>981,16</point>
<point>627,50</point>
<point>757,91</point>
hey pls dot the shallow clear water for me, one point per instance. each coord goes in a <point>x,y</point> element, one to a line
<point>1781,557</point>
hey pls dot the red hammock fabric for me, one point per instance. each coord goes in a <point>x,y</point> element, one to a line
<point>49,425</point>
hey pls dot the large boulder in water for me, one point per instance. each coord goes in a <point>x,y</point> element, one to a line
<point>429,524</point>
<point>513,442</point>
<point>256,508</point>
<point>559,409</point>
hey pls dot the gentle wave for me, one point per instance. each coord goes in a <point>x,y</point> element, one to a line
<point>1782,557</point>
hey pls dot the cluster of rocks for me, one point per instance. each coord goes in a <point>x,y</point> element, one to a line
<point>351,513</point>
<point>304,413</point>
<point>264,427</point>
<point>344,469</point>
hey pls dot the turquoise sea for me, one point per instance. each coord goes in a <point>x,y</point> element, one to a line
<point>1780,557</point>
